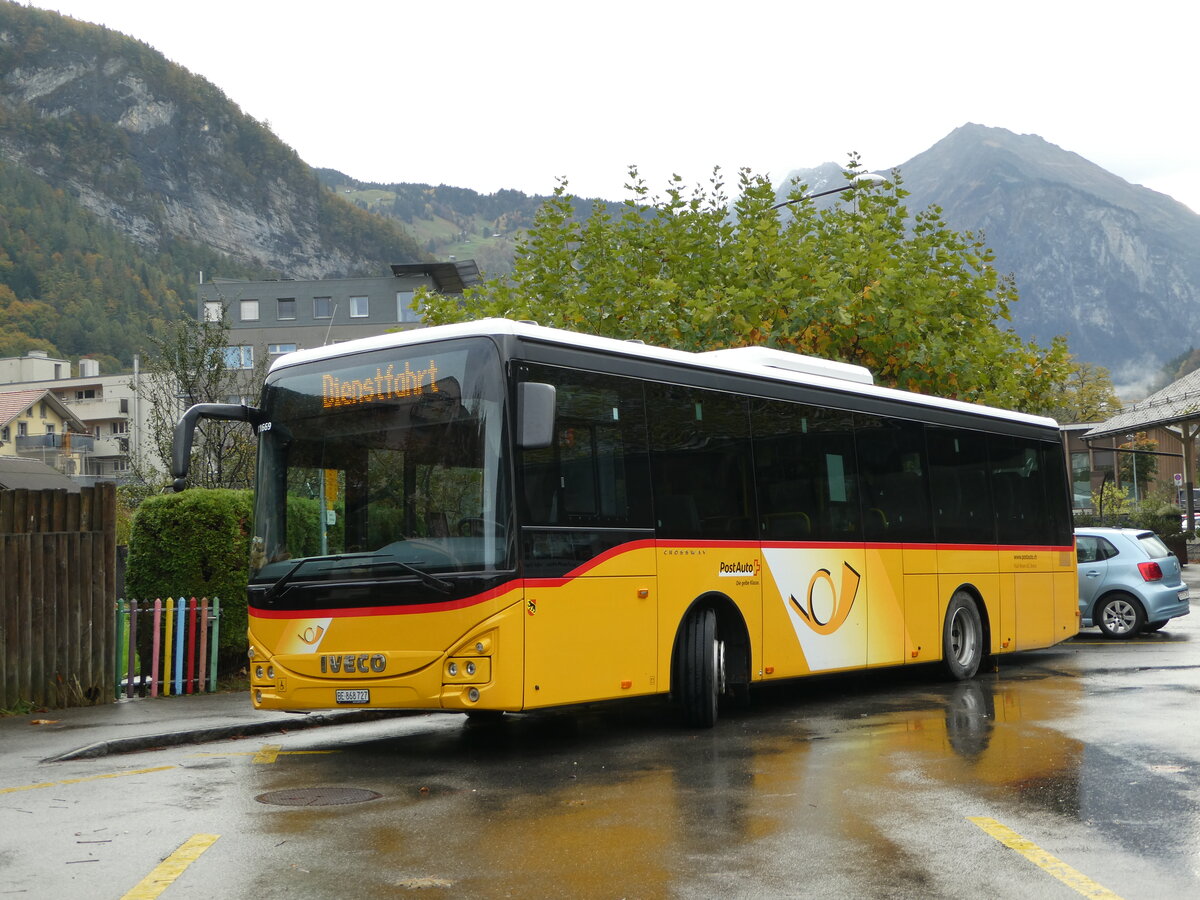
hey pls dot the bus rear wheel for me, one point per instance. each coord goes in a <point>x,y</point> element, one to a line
<point>962,637</point>
<point>701,668</point>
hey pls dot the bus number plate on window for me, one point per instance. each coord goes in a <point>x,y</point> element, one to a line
<point>356,696</point>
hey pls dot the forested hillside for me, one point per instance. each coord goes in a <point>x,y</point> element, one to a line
<point>123,176</point>
<point>451,222</point>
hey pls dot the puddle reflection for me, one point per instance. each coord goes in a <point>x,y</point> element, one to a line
<point>556,805</point>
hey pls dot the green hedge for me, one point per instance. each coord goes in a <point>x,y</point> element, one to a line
<point>1164,526</point>
<point>195,544</point>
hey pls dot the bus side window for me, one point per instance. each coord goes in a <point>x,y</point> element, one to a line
<point>805,472</point>
<point>958,478</point>
<point>700,449</point>
<point>595,472</point>
<point>891,457</point>
<point>1024,494</point>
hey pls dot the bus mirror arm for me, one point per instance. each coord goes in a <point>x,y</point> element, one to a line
<point>535,415</point>
<point>185,430</point>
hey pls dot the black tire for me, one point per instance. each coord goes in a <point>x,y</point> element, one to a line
<point>700,668</point>
<point>962,637</point>
<point>1119,616</point>
<point>1151,627</point>
<point>485,716</point>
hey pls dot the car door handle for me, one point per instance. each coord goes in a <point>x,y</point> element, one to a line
<point>1092,574</point>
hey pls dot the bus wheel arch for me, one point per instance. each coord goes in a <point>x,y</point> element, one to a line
<point>710,657</point>
<point>966,634</point>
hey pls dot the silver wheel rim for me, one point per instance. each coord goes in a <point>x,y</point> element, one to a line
<point>1119,617</point>
<point>719,666</point>
<point>962,638</point>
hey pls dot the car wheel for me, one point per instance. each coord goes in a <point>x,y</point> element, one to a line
<point>962,637</point>
<point>1119,616</point>
<point>701,668</point>
<point>1151,627</point>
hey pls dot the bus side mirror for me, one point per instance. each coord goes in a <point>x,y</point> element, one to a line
<point>535,415</point>
<point>185,429</point>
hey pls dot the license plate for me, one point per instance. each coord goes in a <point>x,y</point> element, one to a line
<point>355,696</point>
<point>1183,595</point>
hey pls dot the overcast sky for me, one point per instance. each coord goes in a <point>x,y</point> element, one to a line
<point>492,95</point>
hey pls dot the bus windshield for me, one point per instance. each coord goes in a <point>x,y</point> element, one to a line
<point>383,465</point>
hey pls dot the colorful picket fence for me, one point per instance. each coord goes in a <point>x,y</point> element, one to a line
<point>179,653</point>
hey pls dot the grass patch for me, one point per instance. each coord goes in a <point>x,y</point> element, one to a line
<point>22,708</point>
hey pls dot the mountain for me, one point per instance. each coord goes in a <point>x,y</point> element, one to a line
<point>155,156</point>
<point>123,176</point>
<point>451,222</point>
<point>1112,265</point>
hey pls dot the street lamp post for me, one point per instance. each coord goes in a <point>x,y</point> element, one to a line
<point>856,181</point>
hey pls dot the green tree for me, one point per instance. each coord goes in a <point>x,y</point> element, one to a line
<point>862,280</point>
<point>194,363</point>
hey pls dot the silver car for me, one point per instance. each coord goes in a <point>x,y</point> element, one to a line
<point>1129,581</point>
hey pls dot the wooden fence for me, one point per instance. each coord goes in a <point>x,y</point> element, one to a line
<point>57,596</point>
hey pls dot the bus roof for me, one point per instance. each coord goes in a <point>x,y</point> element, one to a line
<point>758,362</point>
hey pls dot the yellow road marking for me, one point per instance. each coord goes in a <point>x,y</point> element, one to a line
<point>270,752</point>
<point>1072,878</point>
<point>165,873</point>
<point>46,784</point>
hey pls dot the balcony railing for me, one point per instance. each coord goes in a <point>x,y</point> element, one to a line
<point>34,444</point>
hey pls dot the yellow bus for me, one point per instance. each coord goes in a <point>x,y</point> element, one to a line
<point>497,516</point>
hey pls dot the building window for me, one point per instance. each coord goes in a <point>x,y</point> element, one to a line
<point>5,434</point>
<point>120,427</point>
<point>286,308</point>
<point>49,428</point>
<point>239,357</point>
<point>86,394</point>
<point>406,310</point>
<point>322,307</point>
<point>280,349</point>
<point>214,311</point>
<point>359,307</point>
<point>42,409</point>
<point>249,310</point>
<point>22,429</point>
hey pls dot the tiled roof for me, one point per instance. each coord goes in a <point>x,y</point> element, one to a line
<point>1177,402</point>
<point>13,403</point>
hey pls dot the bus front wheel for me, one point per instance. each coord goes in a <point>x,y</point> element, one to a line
<point>962,637</point>
<point>701,668</point>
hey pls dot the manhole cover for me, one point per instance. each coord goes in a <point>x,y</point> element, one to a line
<point>326,796</point>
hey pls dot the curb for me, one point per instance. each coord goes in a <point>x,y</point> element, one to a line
<point>227,732</point>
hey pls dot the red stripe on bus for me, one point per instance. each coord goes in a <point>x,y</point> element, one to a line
<point>517,583</point>
<point>406,610</point>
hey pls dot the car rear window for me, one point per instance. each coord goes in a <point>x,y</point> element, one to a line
<point>1153,545</point>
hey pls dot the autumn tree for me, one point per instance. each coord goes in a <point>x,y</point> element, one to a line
<point>862,281</point>
<point>1086,394</point>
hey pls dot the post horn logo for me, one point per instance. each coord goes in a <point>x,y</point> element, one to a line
<point>843,600</point>
<point>311,635</point>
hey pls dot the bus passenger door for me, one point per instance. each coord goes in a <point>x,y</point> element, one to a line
<point>590,634</point>
<point>587,551</point>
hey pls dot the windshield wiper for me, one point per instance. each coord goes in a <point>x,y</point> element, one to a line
<point>370,560</point>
